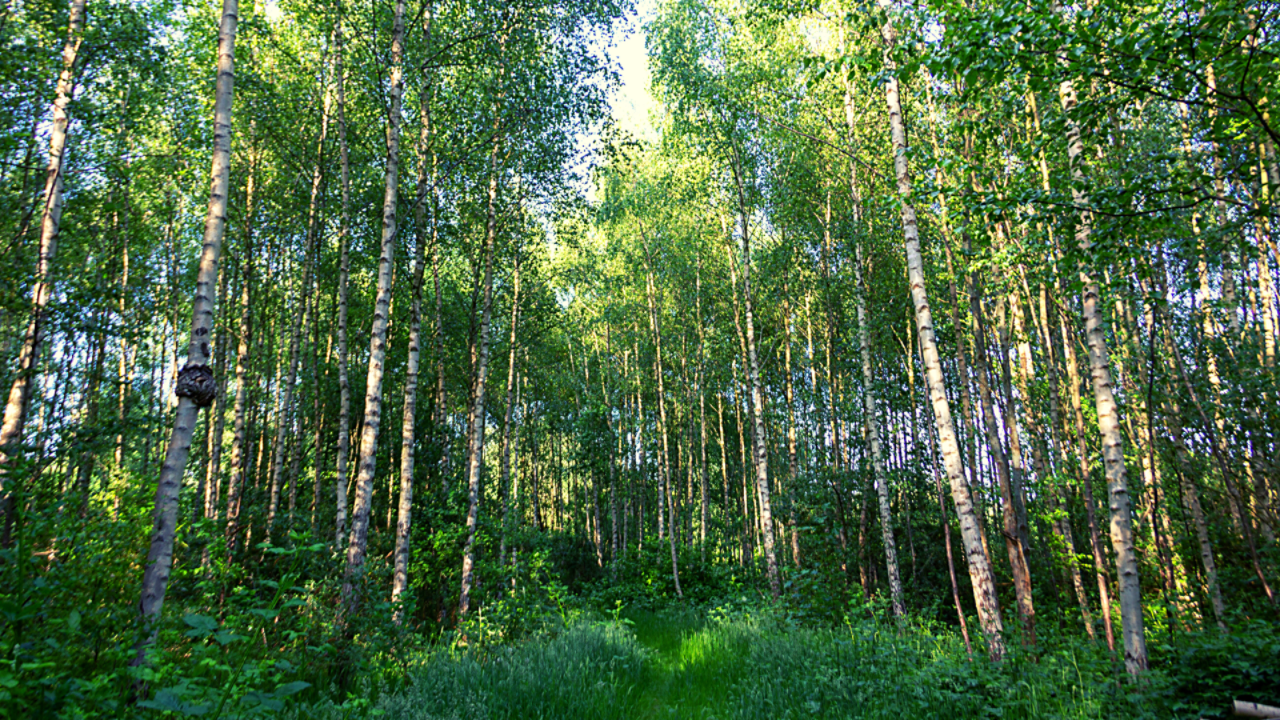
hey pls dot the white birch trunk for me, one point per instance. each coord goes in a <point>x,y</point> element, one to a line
<point>239,427</point>
<point>344,274</point>
<point>367,465</point>
<point>19,398</point>
<point>475,439</point>
<point>1131,620</point>
<point>196,386</point>
<point>873,434</point>
<point>505,479</point>
<point>757,394</point>
<point>980,574</point>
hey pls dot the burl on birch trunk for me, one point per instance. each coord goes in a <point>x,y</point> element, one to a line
<point>195,385</point>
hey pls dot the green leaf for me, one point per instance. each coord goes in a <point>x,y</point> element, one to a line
<point>226,637</point>
<point>201,625</point>
<point>292,688</point>
<point>168,701</point>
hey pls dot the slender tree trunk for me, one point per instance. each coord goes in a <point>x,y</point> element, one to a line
<point>213,479</point>
<point>946,540</point>
<point>318,409</point>
<point>1138,386</point>
<point>1191,496</point>
<point>505,479</point>
<point>475,439</point>
<point>85,464</point>
<point>1056,499</point>
<point>965,432</point>
<point>196,386</point>
<point>239,426</point>
<point>616,465</point>
<point>124,382</point>
<point>285,428</point>
<point>792,470</point>
<point>757,393</point>
<point>664,459</point>
<point>1131,620</point>
<point>344,274</point>
<point>705,517</point>
<point>1246,526</point>
<point>1085,483</point>
<point>873,436</point>
<point>868,396</point>
<point>1018,560</point>
<point>367,464</point>
<point>404,516</point>
<point>724,463</point>
<point>24,378</point>
<point>980,574</point>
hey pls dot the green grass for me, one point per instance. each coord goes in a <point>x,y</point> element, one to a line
<point>682,664</point>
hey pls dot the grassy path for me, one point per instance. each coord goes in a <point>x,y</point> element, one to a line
<point>677,683</point>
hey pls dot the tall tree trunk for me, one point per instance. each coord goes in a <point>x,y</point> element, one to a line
<point>1084,481</point>
<point>344,274</point>
<point>1191,496</point>
<point>505,478</point>
<point>792,470</point>
<point>870,424</point>
<point>475,438</point>
<point>298,335</point>
<point>24,378</point>
<point>1219,454</point>
<point>873,436</point>
<point>980,574</point>
<point>213,478</point>
<point>89,426</point>
<point>1062,525</point>
<point>1018,560</point>
<point>946,541</point>
<point>970,455</point>
<point>664,458</point>
<point>1131,621</point>
<point>705,517</point>
<point>616,465</point>
<point>724,463</point>
<point>404,516</point>
<point>239,426</point>
<point>196,386</point>
<point>367,464</point>
<point>757,393</point>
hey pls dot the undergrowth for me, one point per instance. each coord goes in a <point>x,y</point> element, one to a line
<point>736,664</point>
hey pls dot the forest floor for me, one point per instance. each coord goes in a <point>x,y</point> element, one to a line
<point>697,664</point>
<point>687,663</point>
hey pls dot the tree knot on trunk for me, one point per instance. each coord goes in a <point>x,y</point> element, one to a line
<point>196,382</point>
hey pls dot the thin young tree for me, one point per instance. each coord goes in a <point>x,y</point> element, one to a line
<point>980,573</point>
<point>367,463</point>
<point>195,386</point>
<point>344,275</point>
<point>476,424</point>
<point>1131,620</point>
<point>24,380</point>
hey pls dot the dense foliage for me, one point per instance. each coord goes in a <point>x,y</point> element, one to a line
<point>920,355</point>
